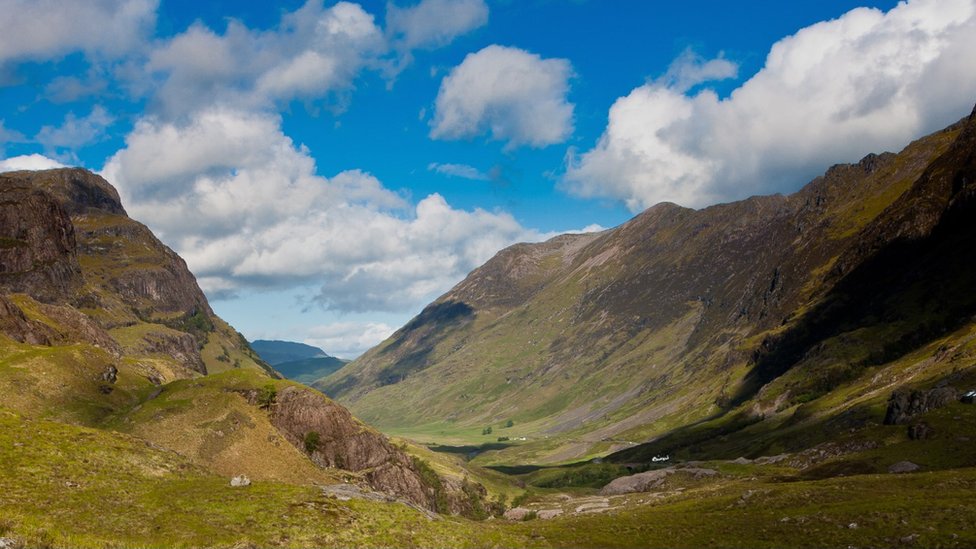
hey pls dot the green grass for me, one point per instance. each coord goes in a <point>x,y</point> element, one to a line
<point>65,486</point>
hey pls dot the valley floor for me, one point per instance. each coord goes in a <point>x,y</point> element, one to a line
<point>68,486</point>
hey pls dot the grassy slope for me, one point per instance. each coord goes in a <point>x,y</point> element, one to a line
<point>205,420</point>
<point>66,486</point>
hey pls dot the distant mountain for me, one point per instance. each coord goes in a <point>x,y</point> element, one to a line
<point>310,370</point>
<point>771,311</point>
<point>276,352</point>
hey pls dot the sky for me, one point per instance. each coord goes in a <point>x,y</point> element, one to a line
<point>327,169</point>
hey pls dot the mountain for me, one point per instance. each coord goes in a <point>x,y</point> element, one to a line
<point>681,324</point>
<point>309,370</point>
<point>106,339</point>
<point>297,361</point>
<point>275,352</point>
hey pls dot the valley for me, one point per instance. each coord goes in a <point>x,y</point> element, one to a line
<point>778,371</point>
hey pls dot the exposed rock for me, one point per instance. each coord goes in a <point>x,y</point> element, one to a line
<point>596,506</point>
<point>15,325</point>
<point>546,514</point>
<point>9,543</point>
<point>110,375</point>
<point>346,443</point>
<point>240,481</point>
<point>78,190</point>
<point>903,467</point>
<point>64,326</point>
<point>181,346</point>
<point>38,251</point>
<point>346,492</point>
<point>650,480</point>
<point>905,405</point>
<point>767,460</point>
<point>518,513</point>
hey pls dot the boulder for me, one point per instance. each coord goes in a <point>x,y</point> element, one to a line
<point>517,513</point>
<point>903,467</point>
<point>649,480</point>
<point>547,514</point>
<point>240,481</point>
<point>905,405</point>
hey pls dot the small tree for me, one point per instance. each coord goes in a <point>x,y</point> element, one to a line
<point>509,423</point>
<point>267,396</point>
<point>486,431</point>
<point>311,441</point>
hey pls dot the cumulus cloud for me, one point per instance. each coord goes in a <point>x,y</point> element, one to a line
<point>458,170</point>
<point>313,52</point>
<point>244,206</point>
<point>867,81</point>
<point>29,162</point>
<point>42,29</point>
<point>348,339</point>
<point>76,132</point>
<point>433,23</point>
<point>509,93</point>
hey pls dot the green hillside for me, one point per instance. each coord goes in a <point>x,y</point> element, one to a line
<point>734,315</point>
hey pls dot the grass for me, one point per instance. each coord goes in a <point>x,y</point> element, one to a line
<point>66,486</point>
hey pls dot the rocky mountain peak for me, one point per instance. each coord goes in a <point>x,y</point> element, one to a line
<point>78,190</point>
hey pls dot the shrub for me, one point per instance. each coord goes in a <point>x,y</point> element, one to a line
<point>509,423</point>
<point>312,440</point>
<point>432,481</point>
<point>486,431</point>
<point>267,396</point>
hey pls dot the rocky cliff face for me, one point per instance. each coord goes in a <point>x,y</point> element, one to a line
<point>66,240</point>
<point>678,314</point>
<point>38,251</point>
<point>342,442</point>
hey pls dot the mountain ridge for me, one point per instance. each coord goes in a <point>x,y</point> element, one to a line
<point>609,338</point>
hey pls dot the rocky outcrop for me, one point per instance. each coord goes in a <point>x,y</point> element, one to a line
<point>903,467</point>
<point>331,437</point>
<point>79,191</point>
<point>652,480</point>
<point>905,405</point>
<point>180,346</point>
<point>15,325</point>
<point>160,283</point>
<point>63,326</point>
<point>37,243</point>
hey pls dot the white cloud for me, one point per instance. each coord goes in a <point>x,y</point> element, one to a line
<point>76,132</point>
<point>865,82</point>
<point>458,170</point>
<point>348,339</point>
<point>29,162</point>
<point>313,52</point>
<point>434,23</point>
<point>42,29</point>
<point>242,204</point>
<point>690,69</point>
<point>513,95</point>
<point>65,89</point>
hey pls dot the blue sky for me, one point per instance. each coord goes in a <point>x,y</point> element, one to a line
<point>328,169</point>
